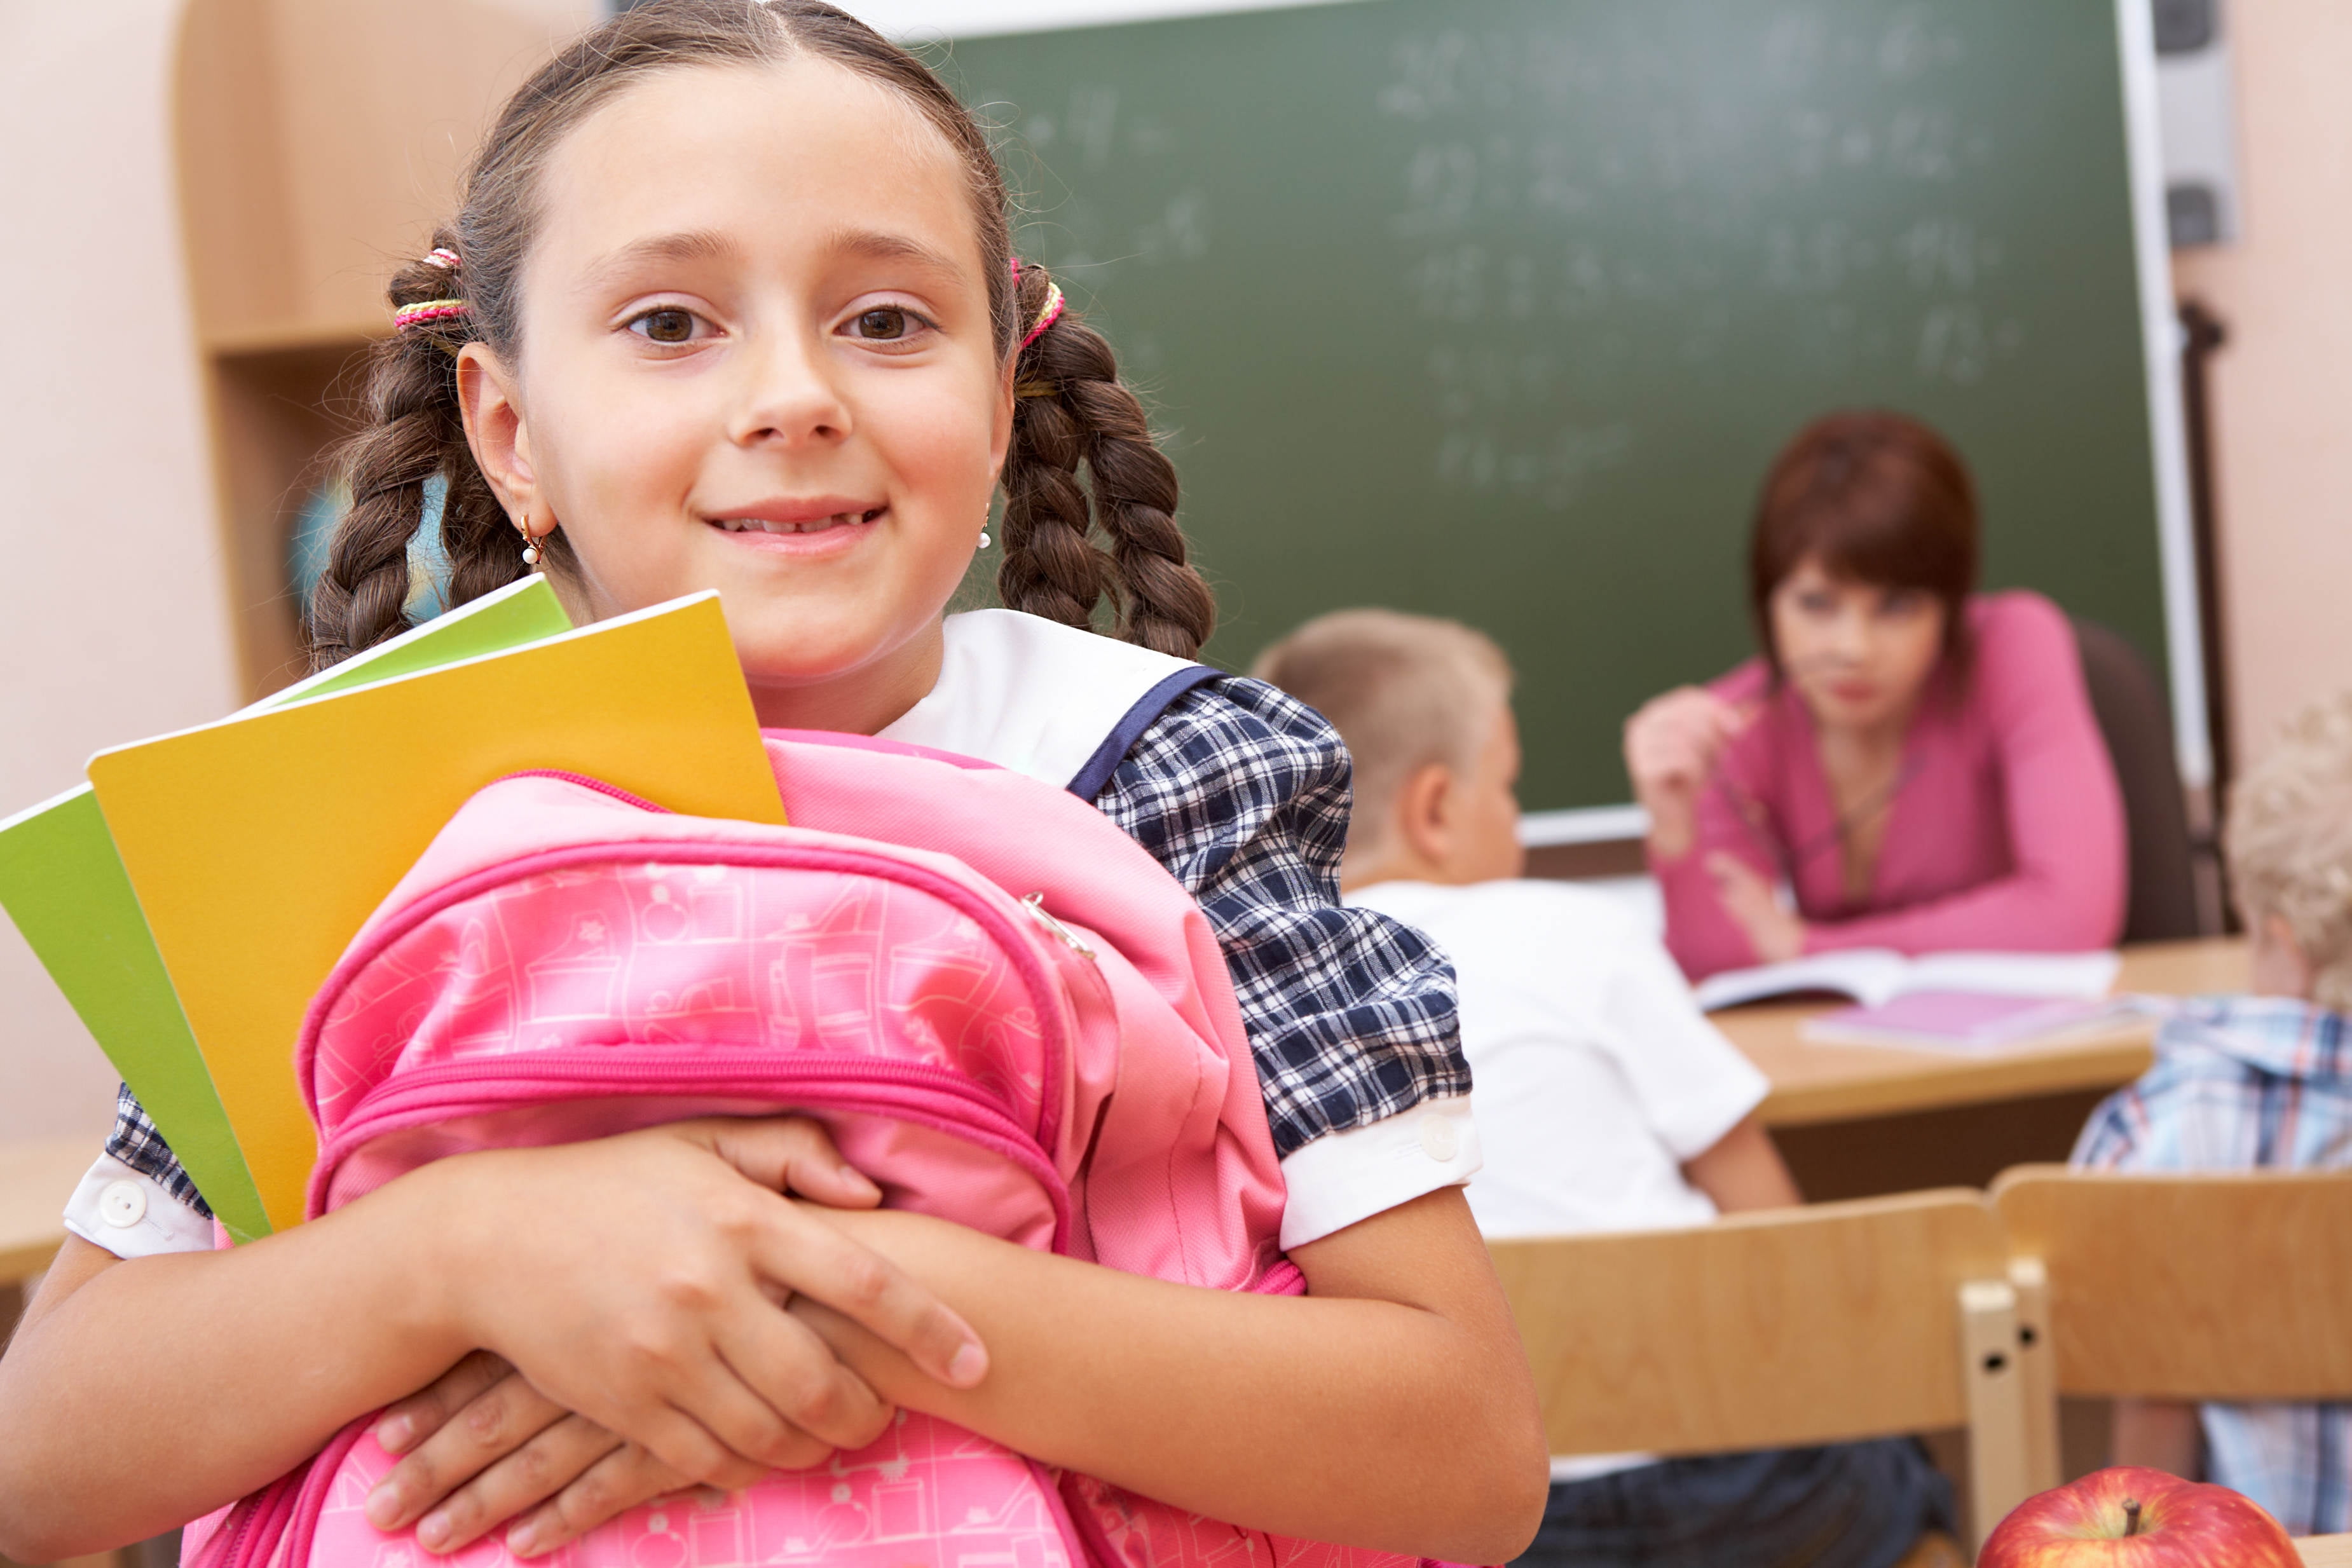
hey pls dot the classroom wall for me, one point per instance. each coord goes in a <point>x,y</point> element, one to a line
<point>114,623</point>
<point>2283,386</point>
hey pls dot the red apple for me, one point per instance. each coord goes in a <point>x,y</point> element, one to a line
<point>2133,1518</point>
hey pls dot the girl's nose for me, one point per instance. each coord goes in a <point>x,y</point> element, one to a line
<point>788,394</point>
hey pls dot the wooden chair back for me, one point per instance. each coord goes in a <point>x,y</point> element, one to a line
<point>2190,1287</point>
<point>1832,1321</point>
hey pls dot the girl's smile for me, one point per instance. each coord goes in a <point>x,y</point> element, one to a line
<point>801,529</point>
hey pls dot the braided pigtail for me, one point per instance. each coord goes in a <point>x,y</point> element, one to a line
<point>1070,409</point>
<point>413,432</point>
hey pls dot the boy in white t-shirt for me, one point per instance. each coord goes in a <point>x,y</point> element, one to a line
<point>1604,1100</point>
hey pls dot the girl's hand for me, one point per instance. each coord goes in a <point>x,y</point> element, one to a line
<point>683,1347</point>
<point>1671,748</point>
<point>1777,934</point>
<point>483,1447</point>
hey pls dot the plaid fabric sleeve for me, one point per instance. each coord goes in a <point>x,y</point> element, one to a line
<point>2110,1140</point>
<point>2239,1083</point>
<point>136,1144</point>
<point>1242,792</point>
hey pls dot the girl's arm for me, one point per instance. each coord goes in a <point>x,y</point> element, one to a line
<point>630,1278</point>
<point>1393,1405</point>
<point>1390,1408</point>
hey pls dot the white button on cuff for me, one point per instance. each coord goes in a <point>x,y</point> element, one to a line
<point>1439,1140</point>
<point>122,1204</point>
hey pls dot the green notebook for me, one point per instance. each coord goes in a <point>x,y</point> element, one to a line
<point>64,885</point>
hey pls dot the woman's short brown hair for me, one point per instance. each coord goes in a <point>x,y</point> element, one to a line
<point>1875,497</point>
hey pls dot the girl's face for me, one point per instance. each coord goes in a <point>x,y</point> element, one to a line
<point>756,357</point>
<point>1858,653</point>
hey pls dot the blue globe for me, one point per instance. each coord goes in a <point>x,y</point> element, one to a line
<point>314,533</point>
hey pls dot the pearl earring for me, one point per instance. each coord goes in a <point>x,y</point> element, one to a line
<point>532,551</point>
<point>983,538</point>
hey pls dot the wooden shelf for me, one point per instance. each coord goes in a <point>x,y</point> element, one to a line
<point>294,337</point>
<point>317,144</point>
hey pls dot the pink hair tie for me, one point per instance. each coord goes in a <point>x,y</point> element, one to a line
<point>441,255</point>
<point>408,318</point>
<point>1050,313</point>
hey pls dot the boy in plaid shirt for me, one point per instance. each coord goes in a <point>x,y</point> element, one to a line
<point>2261,1081</point>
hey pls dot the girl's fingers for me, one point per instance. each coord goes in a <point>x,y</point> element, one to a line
<point>801,1378</point>
<point>786,1154</point>
<point>756,1436</point>
<point>530,1475</point>
<point>811,1257</point>
<point>409,1422</point>
<point>612,1485</point>
<point>496,1422</point>
<point>678,1439</point>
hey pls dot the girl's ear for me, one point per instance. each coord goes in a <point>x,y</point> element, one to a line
<point>496,430</point>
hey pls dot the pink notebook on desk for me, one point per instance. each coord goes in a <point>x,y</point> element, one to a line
<point>1957,1021</point>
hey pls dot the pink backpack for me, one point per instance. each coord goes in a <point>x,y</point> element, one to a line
<point>952,965</point>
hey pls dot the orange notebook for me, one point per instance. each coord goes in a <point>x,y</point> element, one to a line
<point>260,844</point>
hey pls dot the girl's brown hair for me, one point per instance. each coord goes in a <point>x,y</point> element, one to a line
<point>1874,497</point>
<point>1072,412</point>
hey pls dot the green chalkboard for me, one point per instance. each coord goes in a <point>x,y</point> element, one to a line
<point>1498,308</point>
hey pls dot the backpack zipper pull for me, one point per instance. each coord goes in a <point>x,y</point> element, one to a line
<point>1036,905</point>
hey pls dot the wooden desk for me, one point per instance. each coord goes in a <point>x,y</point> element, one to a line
<point>36,1176</point>
<point>2325,1551</point>
<point>1813,1084</point>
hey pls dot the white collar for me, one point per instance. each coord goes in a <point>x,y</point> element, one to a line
<point>1032,695</point>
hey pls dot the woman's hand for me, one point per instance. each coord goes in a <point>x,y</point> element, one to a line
<point>1776,933</point>
<point>1671,748</point>
<point>670,1331</point>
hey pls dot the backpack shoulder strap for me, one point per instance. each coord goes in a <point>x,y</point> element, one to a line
<point>1050,701</point>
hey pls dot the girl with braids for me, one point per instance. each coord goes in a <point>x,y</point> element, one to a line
<point>729,304</point>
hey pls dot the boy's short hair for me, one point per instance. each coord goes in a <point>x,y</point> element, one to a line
<point>1403,691</point>
<point>2289,841</point>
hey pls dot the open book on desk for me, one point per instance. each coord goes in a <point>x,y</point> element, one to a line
<point>1877,975</point>
<point>1968,1023</point>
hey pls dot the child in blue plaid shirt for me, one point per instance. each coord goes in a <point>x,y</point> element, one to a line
<point>2261,1081</point>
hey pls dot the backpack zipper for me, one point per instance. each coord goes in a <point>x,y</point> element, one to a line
<point>1036,905</point>
<point>1032,968</point>
<point>613,791</point>
<point>911,1091</point>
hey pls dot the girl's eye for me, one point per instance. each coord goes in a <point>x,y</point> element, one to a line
<point>1815,602</point>
<point>884,323</point>
<point>666,325</point>
<point>1902,603</point>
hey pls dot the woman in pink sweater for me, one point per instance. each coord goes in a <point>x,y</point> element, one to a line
<point>1918,763</point>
